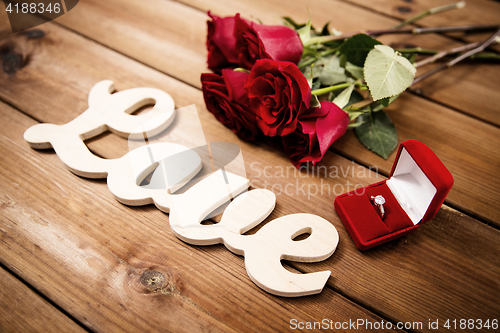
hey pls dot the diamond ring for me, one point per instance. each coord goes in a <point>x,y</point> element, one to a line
<point>379,201</point>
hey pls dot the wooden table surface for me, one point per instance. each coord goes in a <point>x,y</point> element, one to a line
<point>72,257</point>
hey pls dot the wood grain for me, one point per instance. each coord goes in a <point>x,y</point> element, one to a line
<point>475,12</point>
<point>433,125</point>
<point>212,283</point>
<point>110,111</point>
<point>102,262</point>
<point>164,34</point>
<point>70,238</point>
<point>21,310</point>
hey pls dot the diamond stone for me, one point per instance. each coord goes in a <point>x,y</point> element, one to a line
<point>379,200</point>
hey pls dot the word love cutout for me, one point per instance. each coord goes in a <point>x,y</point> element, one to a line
<point>175,165</point>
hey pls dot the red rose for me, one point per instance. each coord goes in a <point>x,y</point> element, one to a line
<point>221,43</point>
<point>258,41</point>
<point>224,97</point>
<point>316,132</point>
<point>278,94</point>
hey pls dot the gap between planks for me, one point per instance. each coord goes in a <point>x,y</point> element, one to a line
<point>337,151</point>
<point>39,294</point>
<point>127,263</point>
<point>289,265</point>
<point>65,24</point>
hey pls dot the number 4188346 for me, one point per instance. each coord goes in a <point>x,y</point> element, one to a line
<point>33,8</point>
<point>471,324</point>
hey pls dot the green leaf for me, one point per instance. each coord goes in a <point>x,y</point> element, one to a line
<point>291,23</point>
<point>354,70</point>
<point>388,100</point>
<point>357,47</point>
<point>343,98</point>
<point>354,125</point>
<point>308,73</point>
<point>354,115</point>
<point>313,71</point>
<point>316,85</point>
<point>343,60</point>
<point>305,32</point>
<point>310,52</point>
<point>332,72</point>
<point>315,101</point>
<point>412,57</point>
<point>377,133</point>
<point>387,73</point>
<point>377,106</point>
<point>355,98</point>
<point>325,31</point>
<point>385,102</point>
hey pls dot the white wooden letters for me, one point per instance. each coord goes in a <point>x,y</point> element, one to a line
<point>174,165</point>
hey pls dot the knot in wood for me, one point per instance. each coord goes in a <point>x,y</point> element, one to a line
<point>34,34</point>
<point>153,280</point>
<point>404,9</point>
<point>11,62</point>
<point>11,59</point>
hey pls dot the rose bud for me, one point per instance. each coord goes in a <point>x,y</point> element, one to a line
<point>258,41</point>
<point>316,132</point>
<point>278,93</point>
<point>221,43</point>
<point>225,97</point>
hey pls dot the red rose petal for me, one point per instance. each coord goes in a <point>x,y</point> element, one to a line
<point>221,43</point>
<point>278,93</point>
<point>279,43</point>
<point>332,126</point>
<point>235,83</point>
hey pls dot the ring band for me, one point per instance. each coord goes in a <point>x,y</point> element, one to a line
<point>379,201</point>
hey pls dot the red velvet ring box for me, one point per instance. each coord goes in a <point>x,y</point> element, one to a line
<point>418,184</point>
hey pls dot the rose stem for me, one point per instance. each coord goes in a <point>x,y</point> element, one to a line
<point>415,31</point>
<point>395,29</point>
<point>417,50</point>
<point>486,55</point>
<point>431,11</point>
<point>418,31</point>
<point>314,59</point>
<point>481,55</point>
<point>445,53</point>
<point>326,90</point>
<point>478,49</point>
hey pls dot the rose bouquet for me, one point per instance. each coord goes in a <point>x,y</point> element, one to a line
<point>257,88</point>
<point>308,87</point>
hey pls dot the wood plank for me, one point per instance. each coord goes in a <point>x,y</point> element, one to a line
<point>433,130</point>
<point>475,12</point>
<point>157,33</point>
<point>63,98</point>
<point>21,310</point>
<point>72,240</point>
<point>161,34</point>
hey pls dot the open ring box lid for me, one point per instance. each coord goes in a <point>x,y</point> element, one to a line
<point>417,187</point>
